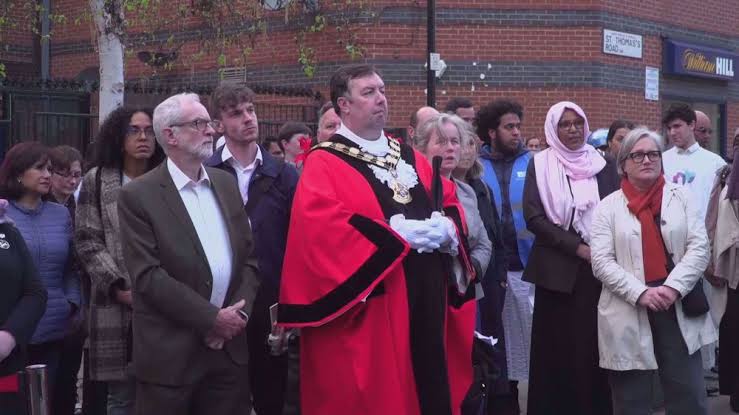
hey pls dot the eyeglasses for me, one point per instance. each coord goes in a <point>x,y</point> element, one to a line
<point>638,157</point>
<point>566,125</point>
<point>704,130</point>
<point>76,175</point>
<point>200,124</point>
<point>133,131</point>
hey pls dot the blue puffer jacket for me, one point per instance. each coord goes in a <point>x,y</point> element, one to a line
<point>47,231</point>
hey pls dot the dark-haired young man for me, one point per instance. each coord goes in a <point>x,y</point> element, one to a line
<point>505,160</point>
<point>267,186</point>
<point>462,107</point>
<point>688,164</point>
<point>386,326</point>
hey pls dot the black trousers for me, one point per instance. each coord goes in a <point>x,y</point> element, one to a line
<point>70,358</point>
<point>94,393</point>
<point>267,373</point>
<point>11,404</point>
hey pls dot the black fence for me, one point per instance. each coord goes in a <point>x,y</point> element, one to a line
<point>273,116</point>
<point>56,117</point>
<point>53,118</point>
<point>73,129</point>
<point>4,137</point>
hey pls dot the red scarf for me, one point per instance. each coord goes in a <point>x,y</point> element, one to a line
<point>647,206</point>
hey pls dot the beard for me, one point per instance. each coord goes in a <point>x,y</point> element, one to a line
<point>201,152</point>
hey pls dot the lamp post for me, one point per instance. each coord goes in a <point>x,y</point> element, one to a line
<point>431,44</point>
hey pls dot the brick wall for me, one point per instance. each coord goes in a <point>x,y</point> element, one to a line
<point>535,51</point>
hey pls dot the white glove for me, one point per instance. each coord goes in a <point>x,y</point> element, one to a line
<point>446,231</point>
<point>7,344</point>
<point>418,233</point>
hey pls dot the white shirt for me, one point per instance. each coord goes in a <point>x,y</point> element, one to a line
<point>125,180</point>
<point>243,174</point>
<point>220,142</point>
<point>209,223</point>
<point>378,147</point>
<point>694,167</point>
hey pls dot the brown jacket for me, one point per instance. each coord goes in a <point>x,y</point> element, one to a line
<point>171,278</point>
<point>553,263</point>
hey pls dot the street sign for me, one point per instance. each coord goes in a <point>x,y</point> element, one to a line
<point>435,60</point>
<point>622,44</point>
<point>651,84</point>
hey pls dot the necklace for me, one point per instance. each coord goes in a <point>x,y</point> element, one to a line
<point>401,192</point>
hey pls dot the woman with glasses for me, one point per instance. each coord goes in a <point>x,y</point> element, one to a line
<point>649,248</point>
<point>46,227</point>
<point>125,148</point>
<point>444,135</point>
<point>66,175</point>
<point>564,184</point>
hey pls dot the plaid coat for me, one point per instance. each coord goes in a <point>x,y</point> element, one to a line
<point>98,244</point>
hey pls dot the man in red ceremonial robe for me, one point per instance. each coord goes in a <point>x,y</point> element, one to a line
<point>378,282</point>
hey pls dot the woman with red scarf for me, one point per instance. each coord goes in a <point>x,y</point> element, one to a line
<point>649,248</point>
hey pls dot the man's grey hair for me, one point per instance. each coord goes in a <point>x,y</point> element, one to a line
<point>435,123</point>
<point>168,112</point>
<point>630,141</point>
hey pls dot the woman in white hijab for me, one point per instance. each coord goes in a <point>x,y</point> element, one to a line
<point>564,184</point>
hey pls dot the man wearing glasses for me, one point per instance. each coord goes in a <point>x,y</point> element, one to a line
<point>187,245</point>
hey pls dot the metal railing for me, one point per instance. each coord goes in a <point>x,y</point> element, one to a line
<point>57,128</point>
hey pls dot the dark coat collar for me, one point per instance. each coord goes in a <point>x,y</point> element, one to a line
<point>270,165</point>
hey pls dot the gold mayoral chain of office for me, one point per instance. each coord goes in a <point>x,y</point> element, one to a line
<point>401,191</point>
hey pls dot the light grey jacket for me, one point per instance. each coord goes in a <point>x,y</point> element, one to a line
<point>480,246</point>
<point>624,334</point>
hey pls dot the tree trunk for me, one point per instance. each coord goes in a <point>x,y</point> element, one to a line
<point>108,16</point>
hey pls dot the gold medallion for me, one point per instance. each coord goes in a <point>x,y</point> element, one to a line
<point>401,194</point>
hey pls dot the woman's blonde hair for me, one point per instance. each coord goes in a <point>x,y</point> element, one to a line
<point>466,135</point>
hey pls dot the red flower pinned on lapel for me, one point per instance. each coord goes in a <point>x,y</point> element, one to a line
<point>305,145</point>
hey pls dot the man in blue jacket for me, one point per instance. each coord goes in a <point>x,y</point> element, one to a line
<point>267,186</point>
<point>505,160</point>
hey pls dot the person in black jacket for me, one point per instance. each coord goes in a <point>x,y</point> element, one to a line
<point>22,302</point>
<point>267,186</point>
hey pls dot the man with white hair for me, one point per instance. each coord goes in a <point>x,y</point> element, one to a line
<point>187,246</point>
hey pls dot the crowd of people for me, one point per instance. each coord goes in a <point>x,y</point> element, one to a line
<point>189,267</point>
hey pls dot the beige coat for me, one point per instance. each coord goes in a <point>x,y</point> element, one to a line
<point>624,333</point>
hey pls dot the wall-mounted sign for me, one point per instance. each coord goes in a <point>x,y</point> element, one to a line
<point>686,59</point>
<point>622,44</point>
<point>651,84</point>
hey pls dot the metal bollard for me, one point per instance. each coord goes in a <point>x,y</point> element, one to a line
<point>37,390</point>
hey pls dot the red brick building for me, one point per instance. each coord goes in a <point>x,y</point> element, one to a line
<point>538,52</point>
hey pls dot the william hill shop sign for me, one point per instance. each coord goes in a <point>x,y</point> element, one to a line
<point>694,60</point>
